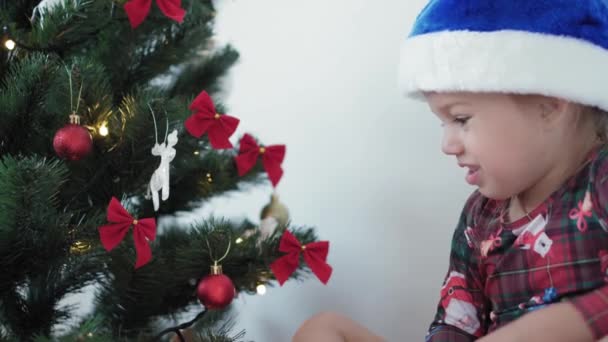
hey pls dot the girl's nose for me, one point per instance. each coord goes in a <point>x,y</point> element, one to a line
<point>451,144</point>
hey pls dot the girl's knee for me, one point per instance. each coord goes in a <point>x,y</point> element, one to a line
<point>323,325</point>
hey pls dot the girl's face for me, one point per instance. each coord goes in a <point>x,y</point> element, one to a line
<point>504,145</point>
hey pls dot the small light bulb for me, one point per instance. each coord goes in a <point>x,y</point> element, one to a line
<point>196,153</point>
<point>239,240</point>
<point>90,334</point>
<point>261,289</point>
<point>9,44</point>
<point>103,130</point>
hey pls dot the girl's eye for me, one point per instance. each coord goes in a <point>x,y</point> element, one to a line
<point>461,120</point>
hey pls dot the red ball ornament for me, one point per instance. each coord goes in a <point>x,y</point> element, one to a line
<point>216,290</point>
<point>72,141</point>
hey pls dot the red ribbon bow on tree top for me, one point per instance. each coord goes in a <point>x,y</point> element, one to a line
<point>315,254</point>
<point>137,10</point>
<point>272,157</point>
<point>205,119</point>
<point>143,230</point>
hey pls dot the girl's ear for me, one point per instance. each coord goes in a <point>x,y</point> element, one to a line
<point>553,109</point>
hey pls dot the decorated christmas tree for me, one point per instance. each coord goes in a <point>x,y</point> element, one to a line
<point>109,123</point>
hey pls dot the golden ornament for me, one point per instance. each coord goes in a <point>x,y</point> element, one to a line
<point>277,210</point>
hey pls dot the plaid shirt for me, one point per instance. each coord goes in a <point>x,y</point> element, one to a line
<point>501,270</point>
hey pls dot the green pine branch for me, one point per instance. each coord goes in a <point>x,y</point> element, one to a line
<point>34,246</point>
<point>167,285</point>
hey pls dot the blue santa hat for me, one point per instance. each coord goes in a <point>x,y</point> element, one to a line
<point>551,47</point>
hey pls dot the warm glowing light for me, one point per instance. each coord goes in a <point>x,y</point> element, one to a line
<point>261,289</point>
<point>103,130</point>
<point>9,44</point>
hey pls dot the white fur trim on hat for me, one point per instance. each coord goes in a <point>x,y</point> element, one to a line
<point>505,61</point>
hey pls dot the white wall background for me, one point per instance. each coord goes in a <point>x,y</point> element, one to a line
<point>363,163</point>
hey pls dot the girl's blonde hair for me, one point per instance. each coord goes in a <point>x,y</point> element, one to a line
<point>598,116</point>
<point>600,121</point>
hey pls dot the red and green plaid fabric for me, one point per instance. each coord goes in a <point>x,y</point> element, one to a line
<point>501,270</point>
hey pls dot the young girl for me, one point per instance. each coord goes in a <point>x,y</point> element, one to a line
<point>518,87</point>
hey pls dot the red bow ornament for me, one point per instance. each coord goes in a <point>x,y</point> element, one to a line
<point>206,119</point>
<point>137,10</point>
<point>143,231</point>
<point>315,255</point>
<point>272,157</point>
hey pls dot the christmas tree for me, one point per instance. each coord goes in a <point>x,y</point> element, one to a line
<point>110,122</point>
